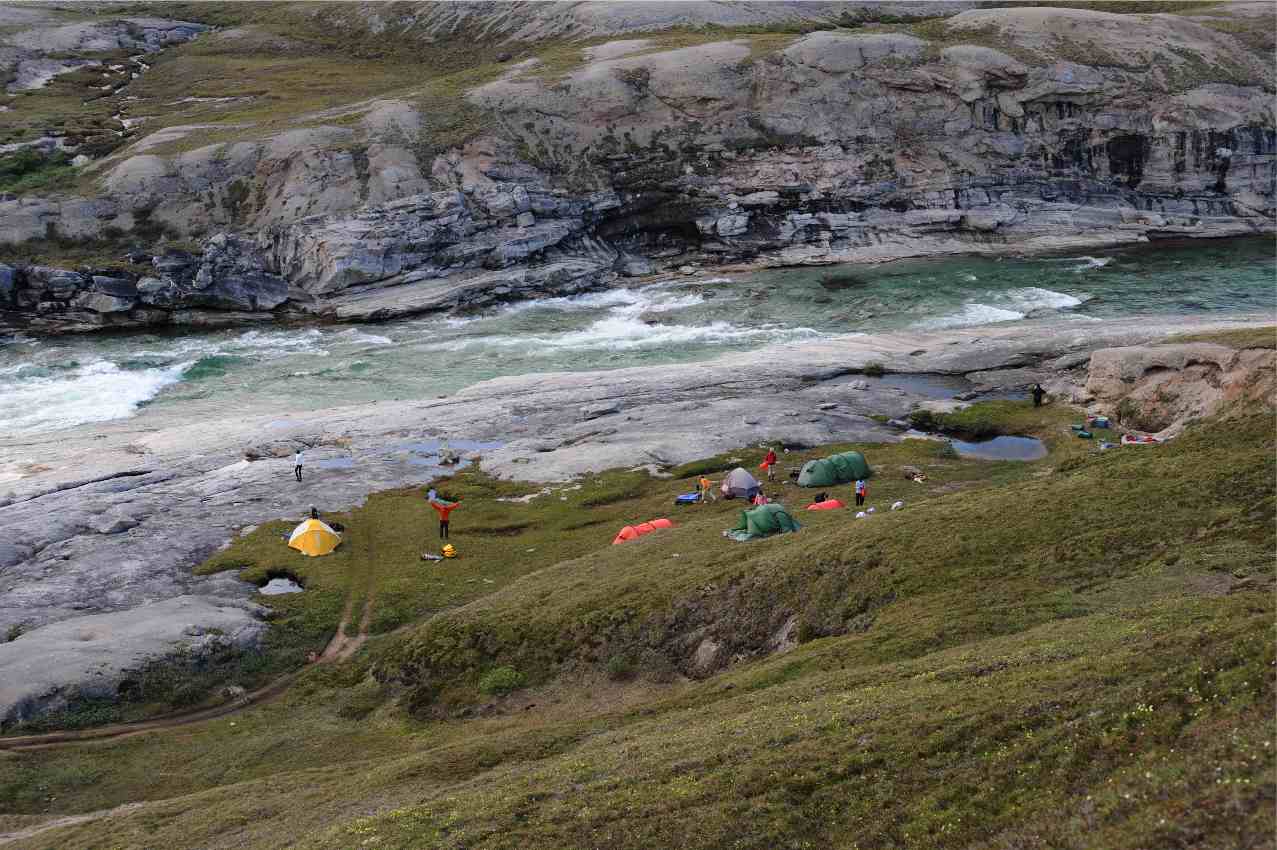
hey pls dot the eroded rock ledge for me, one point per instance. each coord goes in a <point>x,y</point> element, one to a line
<point>990,135</point>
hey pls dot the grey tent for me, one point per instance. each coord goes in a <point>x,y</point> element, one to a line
<point>739,484</point>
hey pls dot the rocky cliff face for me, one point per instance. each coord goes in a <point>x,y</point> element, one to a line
<point>991,130</point>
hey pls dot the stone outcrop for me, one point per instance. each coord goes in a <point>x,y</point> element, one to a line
<point>96,656</point>
<point>1161,388</point>
<point>994,130</point>
<point>228,282</point>
<point>34,54</point>
<point>436,235</point>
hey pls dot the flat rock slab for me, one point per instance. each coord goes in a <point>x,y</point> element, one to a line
<point>90,656</point>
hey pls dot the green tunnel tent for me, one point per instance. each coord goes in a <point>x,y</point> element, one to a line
<point>835,469</point>
<point>763,521</point>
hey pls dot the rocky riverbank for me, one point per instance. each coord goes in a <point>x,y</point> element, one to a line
<point>980,131</point>
<point>103,521</point>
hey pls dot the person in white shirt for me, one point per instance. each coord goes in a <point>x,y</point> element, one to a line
<point>297,464</point>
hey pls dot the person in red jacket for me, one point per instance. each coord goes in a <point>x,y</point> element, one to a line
<point>444,509</point>
<point>769,463</point>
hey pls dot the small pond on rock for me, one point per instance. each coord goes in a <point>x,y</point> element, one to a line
<point>1002,448</point>
<point>277,586</point>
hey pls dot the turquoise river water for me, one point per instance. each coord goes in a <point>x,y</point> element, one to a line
<point>49,384</point>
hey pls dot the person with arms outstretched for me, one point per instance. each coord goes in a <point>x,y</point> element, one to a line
<point>444,509</point>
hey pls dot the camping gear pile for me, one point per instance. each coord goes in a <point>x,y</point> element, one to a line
<point>762,521</point>
<point>835,469</point>
<point>687,499</point>
<point>1139,440</point>
<point>739,484</point>
<point>449,551</point>
<point>314,538</point>
<point>633,532</point>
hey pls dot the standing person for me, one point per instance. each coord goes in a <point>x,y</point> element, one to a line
<point>769,463</point>
<point>707,492</point>
<point>1038,395</point>
<point>297,464</point>
<point>444,510</point>
<point>861,492</point>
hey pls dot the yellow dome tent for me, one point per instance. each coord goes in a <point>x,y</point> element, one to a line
<point>313,537</point>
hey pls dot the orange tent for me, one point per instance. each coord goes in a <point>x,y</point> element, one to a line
<point>631,532</point>
<point>827,505</point>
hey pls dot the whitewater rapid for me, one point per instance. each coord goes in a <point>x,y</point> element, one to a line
<point>57,383</point>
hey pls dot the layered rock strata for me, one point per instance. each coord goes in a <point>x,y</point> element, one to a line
<point>1007,130</point>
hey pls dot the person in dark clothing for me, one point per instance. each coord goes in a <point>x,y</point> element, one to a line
<point>1038,395</point>
<point>444,511</point>
<point>862,490</point>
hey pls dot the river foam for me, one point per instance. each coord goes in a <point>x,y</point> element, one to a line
<point>1006,306</point>
<point>95,392</point>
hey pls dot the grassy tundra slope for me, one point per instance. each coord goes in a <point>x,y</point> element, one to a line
<point>1075,652</point>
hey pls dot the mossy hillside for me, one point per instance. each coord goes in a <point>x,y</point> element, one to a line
<point>1098,720</point>
<point>499,541</point>
<point>1053,540</point>
<point>1104,681</point>
<point>379,564</point>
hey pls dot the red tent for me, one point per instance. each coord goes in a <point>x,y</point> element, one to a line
<point>827,505</point>
<point>631,532</point>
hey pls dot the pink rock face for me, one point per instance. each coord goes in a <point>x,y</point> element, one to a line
<point>1160,388</point>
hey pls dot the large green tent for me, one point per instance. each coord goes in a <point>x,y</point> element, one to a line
<point>763,521</point>
<point>835,469</point>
